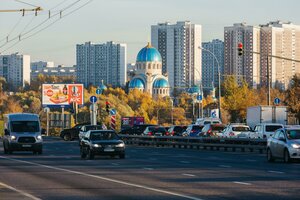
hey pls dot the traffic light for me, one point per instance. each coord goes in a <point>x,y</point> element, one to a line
<point>240,49</point>
<point>107,106</point>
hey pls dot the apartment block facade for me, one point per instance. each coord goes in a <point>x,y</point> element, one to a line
<point>97,62</point>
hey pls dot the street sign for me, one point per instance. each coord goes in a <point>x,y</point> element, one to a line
<point>199,97</point>
<point>93,99</point>
<point>276,101</point>
<point>112,111</point>
<point>98,91</point>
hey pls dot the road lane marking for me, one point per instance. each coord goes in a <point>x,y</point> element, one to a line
<point>148,168</point>
<point>225,166</point>
<point>191,175</point>
<point>115,164</point>
<point>19,191</point>
<point>242,183</point>
<point>106,179</point>
<point>276,172</point>
<point>185,162</point>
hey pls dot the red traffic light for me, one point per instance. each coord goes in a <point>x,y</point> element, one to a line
<point>240,45</point>
<point>240,49</point>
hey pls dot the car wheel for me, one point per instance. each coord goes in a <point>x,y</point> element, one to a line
<point>67,137</point>
<point>286,156</point>
<point>270,156</point>
<point>5,150</point>
<point>91,155</point>
<point>122,156</point>
<point>82,153</point>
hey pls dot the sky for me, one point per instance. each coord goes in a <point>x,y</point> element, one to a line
<point>122,21</point>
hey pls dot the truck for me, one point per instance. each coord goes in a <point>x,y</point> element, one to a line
<point>22,132</point>
<point>266,114</point>
<point>128,122</point>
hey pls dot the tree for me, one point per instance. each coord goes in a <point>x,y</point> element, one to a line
<point>293,96</point>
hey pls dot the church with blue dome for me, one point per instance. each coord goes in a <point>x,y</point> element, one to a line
<point>148,73</point>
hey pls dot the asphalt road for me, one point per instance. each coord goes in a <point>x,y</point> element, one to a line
<point>146,173</point>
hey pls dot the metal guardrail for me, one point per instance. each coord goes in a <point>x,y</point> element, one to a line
<point>225,144</point>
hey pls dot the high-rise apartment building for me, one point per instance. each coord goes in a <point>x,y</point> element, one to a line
<point>279,39</point>
<point>179,45</point>
<point>97,62</point>
<point>15,69</point>
<point>247,66</point>
<point>212,58</point>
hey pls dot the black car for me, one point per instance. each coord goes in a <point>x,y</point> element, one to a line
<point>72,133</point>
<point>176,130</point>
<point>101,142</point>
<point>137,129</point>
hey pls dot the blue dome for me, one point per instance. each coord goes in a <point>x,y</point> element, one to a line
<point>136,83</point>
<point>148,54</point>
<point>160,83</point>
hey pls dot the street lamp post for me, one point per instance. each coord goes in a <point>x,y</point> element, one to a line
<point>219,76</point>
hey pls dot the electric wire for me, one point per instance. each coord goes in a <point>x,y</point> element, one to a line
<point>33,34</point>
<point>19,36</point>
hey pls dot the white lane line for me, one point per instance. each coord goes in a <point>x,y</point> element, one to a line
<point>191,175</point>
<point>242,183</point>
<point>107,179</point>
<point>225,166</point>
<point>250,160</point>
<point>19,191</point>
<point>115,164</point>
<point>276,172</point>
<point>148,168</point>
<point>185,162</point>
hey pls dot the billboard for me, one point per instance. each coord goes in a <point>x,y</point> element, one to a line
<point>130,121</point>
<point>62,94</point>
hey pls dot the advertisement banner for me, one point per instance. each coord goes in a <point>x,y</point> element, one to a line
<point>62,94</point>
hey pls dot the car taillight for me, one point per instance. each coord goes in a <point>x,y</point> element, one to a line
<point>209,131</point>
<point>193,131</point>
<point>172,133</point>
<point>231,134</point>
<point>150,133</point>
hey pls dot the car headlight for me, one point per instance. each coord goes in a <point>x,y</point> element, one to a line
<point>296,146</point>
<point>120,145</point>
<point>39,137</point>
<point>96,145</point>
<point>13,137</point>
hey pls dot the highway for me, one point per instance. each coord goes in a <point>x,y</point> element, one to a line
<point>145,173</point>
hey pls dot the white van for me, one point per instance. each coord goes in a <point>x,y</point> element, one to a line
<point>208,120</point>
<point>22,132</point>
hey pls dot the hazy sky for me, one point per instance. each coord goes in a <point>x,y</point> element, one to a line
<point>125,21</point>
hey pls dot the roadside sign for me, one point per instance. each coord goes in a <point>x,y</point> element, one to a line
<point>93,99</point>
<point>276,101</point>
<point>199,97</point>
<point>98,91</point>
<point>112,111</point>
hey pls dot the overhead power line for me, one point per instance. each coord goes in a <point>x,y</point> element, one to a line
<point>27,34</point>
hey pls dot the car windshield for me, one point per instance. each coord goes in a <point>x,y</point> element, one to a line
<point>197,127</point>
<point>103,136</point>
<point>93,128</point>
<point>25,126</point>
<point>218,128</point>
<point>272,128</point>
<point>157,129</point>
<point>241,128</point>
<point>293,134</point>
<point>179,128</point>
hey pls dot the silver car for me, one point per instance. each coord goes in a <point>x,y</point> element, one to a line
<point>284,144</point>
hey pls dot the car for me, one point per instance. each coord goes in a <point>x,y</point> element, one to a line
<point>136,129</point>
<point>101,142</point>
<point>72,133</point>
<point>236,131</point>
<point>212,130</point>
<point>176,130</point>
<point>192,130</point>
<point>266,130</point>
<point>284,144</point>
<point>85,128</point>
<point>155,131</point>
<point>208,120</point>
